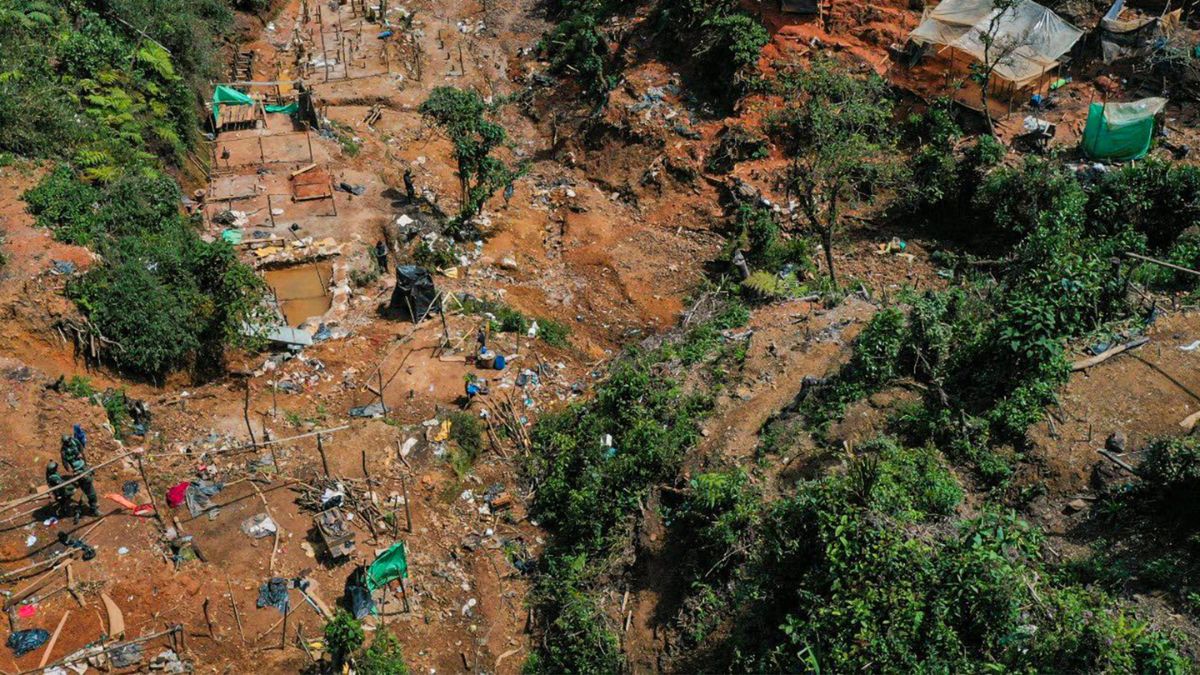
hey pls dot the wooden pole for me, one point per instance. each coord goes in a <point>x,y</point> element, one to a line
<point>324,460</point>
<point>246,415</point>
<point>404,594</point>
<point>208,620</point>
<point>1164,263</point>
<point>383,405</point>
<point>150,492</point>
<point>283,633</point>
<point>236,615</point>
<point>407,511</point>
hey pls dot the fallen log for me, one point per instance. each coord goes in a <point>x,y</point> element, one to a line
<point>1108,354</point>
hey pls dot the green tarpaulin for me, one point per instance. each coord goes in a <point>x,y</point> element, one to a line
<point>290,109</point>
<point>229,95</point>
<point>1121,131</point>
<point>389,566</point>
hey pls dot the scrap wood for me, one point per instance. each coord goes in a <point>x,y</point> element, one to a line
<point>116,619</point>
<point>53,639</point>
<point>1190,421</point>
<point>1117,460</point>
<point>72,587</point>
<point>1108,354</point>
<point>16,597</point>
<point>303,169</point>
<point>90,652</point>
<point>12,575</point>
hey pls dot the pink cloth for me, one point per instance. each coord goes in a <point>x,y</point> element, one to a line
<point>175,495</point>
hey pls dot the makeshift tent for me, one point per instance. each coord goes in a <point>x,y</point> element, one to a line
<point>1028,38</point>
<point>389,566</point>
<point>1121,131</point>
<point>228,96</point>
<point>414,293</point>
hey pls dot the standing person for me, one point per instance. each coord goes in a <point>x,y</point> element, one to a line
<point>409,188</point>
<point>381,255</point>
<point>74,461</point>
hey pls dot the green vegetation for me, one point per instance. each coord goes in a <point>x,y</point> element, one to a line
<point>116,109</point>
<point>838,131</point>
<point>587,493</point>
<point>466,433</point>
<point>505,319</point>
<point>461,114</point>
<point>862,570</point>
<point>714,37</point>
<point>343,637</point>
<point>79,85</point>
<point>1150,539</point>
<point>79,386</point>
<point>722,42</point>
<point>384,657</point>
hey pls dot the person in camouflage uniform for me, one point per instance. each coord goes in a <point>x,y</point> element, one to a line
<point>62,495</point>
<point>74,461</point>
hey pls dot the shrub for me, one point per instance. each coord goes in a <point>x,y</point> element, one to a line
<point>384,657</point>
<point>1011,201</point>
<point>343,636</point>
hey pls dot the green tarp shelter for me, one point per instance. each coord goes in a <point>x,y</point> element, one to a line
<point>290,109</point>
<point>1121,131</point>
<point>230,96</point>
<point>392,564</point>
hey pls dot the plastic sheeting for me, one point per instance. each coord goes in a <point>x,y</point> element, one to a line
<point>228,95</point>
<point>1029,38</point>
<point>1121,131</point>
<point>390,565</point>
<point>414,293</point>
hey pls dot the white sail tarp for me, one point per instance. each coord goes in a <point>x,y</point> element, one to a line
<point>1028,39</point>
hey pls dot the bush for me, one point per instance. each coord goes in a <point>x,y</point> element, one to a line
<point>836,583</point>
<point>343,636</point>
<point>1011,201</point>
<point>384,657</point>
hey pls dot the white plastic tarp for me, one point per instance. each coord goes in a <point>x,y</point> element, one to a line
<point>1028,39</point>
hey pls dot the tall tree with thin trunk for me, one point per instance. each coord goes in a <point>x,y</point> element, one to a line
<point>840,132</point>
<point>998,49</point>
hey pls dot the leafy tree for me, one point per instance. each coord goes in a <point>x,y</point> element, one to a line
<point>998,50</point>
<point>461,114</point>
<point>839,132</point>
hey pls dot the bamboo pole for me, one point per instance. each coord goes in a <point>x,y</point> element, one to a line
<point>42,495</point>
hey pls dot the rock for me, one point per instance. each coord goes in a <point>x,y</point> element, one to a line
<point>1115,442</point>
<point>1076,505</point>
<point>508,263</point>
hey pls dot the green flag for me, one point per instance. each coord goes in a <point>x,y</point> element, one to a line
<point>391,565</point>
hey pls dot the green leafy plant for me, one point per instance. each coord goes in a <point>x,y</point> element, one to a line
<point>462,115</point>
<point>839,134</point>
<point>385,656</point>
<point>343,636</point>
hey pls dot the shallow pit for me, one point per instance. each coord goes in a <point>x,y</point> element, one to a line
<point>302,290</point>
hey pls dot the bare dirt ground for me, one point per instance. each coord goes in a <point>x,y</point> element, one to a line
<point>605,241</point>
